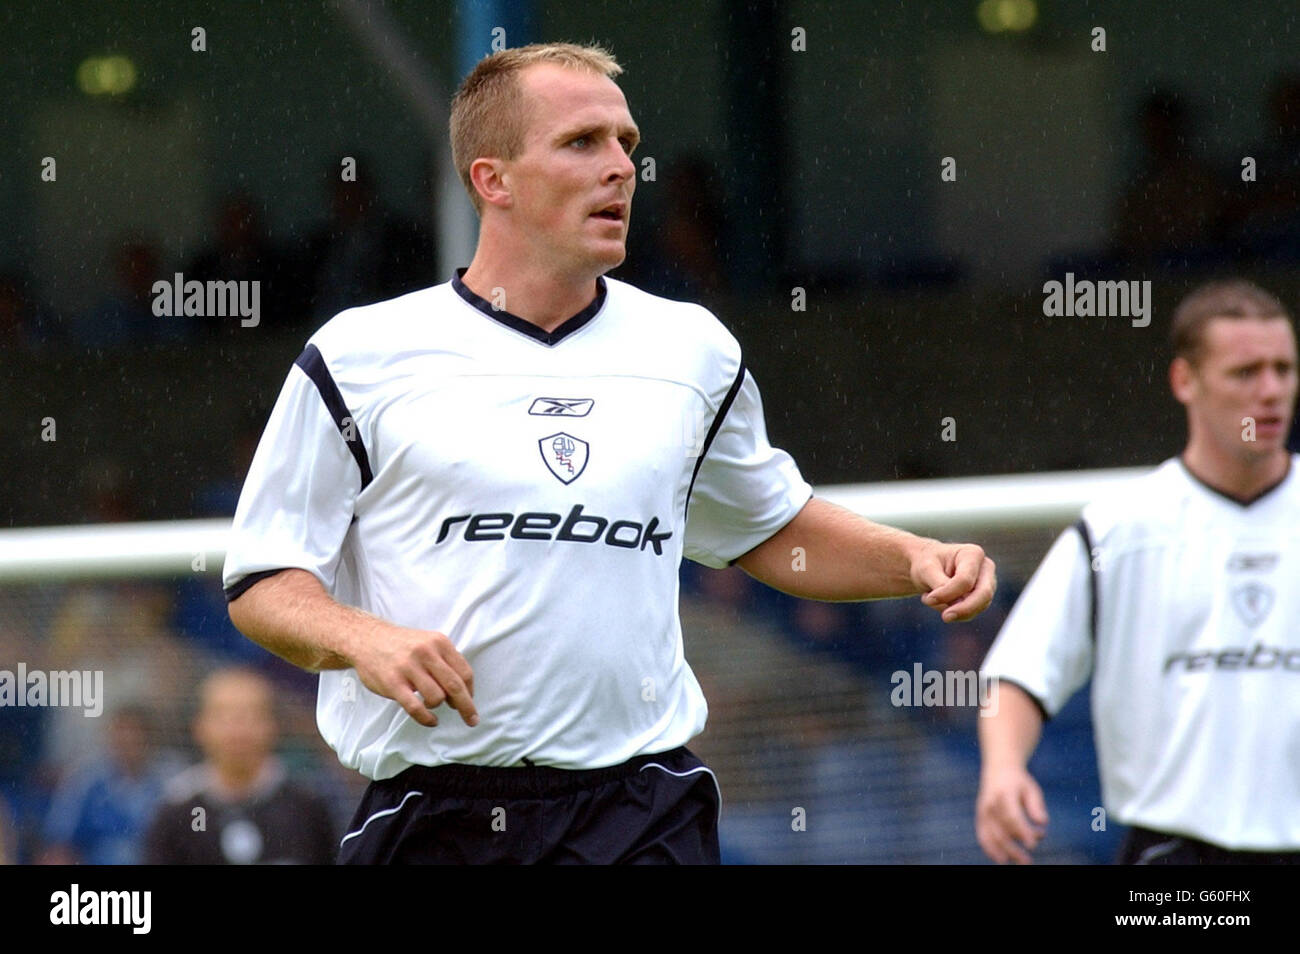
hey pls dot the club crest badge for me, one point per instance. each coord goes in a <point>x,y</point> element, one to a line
<point>565,456</point>
<point>1252,601</point>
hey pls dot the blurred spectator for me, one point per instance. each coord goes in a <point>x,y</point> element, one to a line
<point>1176,202</point>
<point>243,251</point>
<point>22,322</point>
<point>201,615</point>
<point>731,587</point>
<point>684,254</point>
<point>1265,214</point>
<point>99,812</point>
<point>365,252</point>
<point>24,787</point>
<point>220,495</point>
<point>692,233</point>
<point>120,628</point>
<point>108,492</point>
<point>124,317</point>
<point>8,835</point>
<point>238,806</point>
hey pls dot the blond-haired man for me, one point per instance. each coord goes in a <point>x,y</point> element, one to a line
<point>475,498</point>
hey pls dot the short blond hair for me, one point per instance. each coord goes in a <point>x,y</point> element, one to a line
<point>487,112</point>
<point>1229,298</point>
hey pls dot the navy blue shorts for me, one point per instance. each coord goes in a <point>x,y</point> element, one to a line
<point>1143,846</point>
<point>652,809</point>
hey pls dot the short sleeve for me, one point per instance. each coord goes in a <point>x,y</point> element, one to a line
<point>297,502</point>
<point>1046,645</point>
<point>745,490</point>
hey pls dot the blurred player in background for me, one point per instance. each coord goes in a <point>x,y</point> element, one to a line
<point>238,806</point>
<point>1178,596</point>
<point>496,473</point>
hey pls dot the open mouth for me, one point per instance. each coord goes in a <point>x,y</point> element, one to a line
<point>611,213</point>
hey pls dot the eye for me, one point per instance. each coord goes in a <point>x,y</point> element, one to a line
<point>579,141</point>
<point>628,145</point>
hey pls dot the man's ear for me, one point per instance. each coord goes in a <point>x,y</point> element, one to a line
<point>1182,380</point>
<point>489,178</point>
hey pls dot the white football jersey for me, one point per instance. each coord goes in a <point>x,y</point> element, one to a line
<point>1182,604</point>
<point>448,466</point>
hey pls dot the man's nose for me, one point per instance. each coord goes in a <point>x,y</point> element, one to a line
<point>622,166</point>
<point>1275,385</point>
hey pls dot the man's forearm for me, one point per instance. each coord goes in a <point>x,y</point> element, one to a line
<point>829,553</point>
<point>291,615</point>
<point>1009,730</point>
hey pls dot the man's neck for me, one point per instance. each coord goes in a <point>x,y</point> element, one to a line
<point>531,292</point>
<point>236,782</point>
<point>1241,480</point>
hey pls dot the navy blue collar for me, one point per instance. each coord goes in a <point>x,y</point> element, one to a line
<point>523,325</point>
<point>1241,502</point>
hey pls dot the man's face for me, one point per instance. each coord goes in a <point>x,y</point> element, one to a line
<point>571,185</point>
<point>236,726</point>
<point>1246,370</point>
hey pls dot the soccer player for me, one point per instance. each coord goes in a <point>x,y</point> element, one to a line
<point>1178,596</point>
<point>476,497</point>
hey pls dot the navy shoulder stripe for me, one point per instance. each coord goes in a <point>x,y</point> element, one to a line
<point>1086,536</point>
<point>713,431</point>
<point>313,365</point>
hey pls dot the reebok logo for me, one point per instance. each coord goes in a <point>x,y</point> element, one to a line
<point>561,407</point>
<point>1260,657</point>
<point>1252,562</point>
<point>577,527</point>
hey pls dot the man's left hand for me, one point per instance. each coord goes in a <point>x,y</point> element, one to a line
<point>956,579</point>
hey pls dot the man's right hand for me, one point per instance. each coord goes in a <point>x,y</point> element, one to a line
<point>290,614</point>
<point>1010,814</point>
<point>398,663</point>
